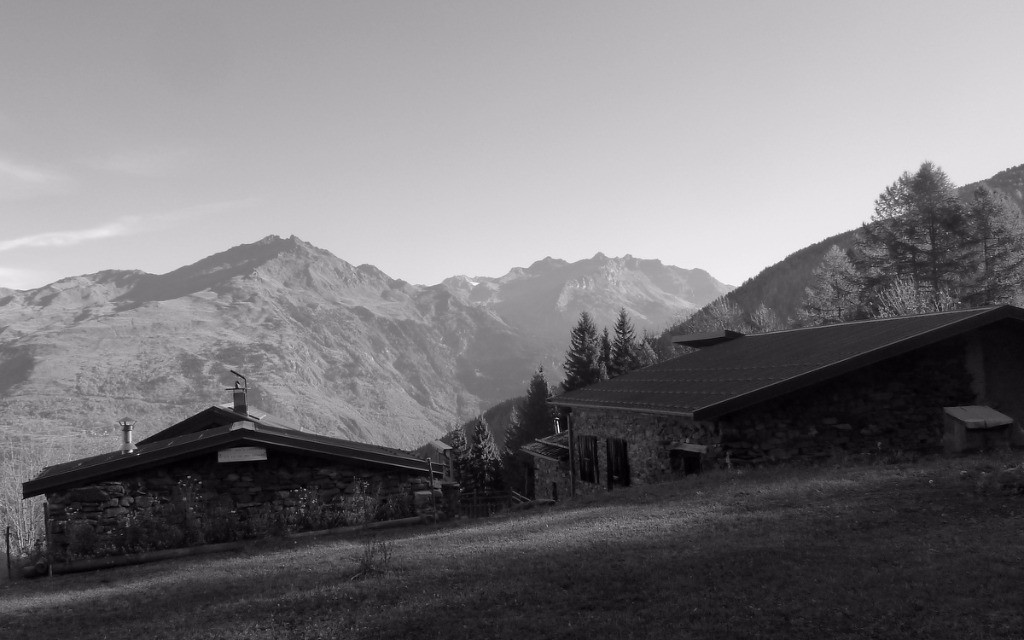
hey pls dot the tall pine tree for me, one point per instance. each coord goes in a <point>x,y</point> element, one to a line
<point>996,245</point>
<point>624,355</point>
<point>605,356</point>
<point>459,453</point>
<point>483,471</point>
<point>535,420</point>
<point>582,360</point>
<point>916,235</point>
<point>834,294</point>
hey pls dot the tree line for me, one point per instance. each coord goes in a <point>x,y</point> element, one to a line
<point>925,249</point>
<point>481,465</point>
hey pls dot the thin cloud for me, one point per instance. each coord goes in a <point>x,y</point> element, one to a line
<point>121,227</point>
<point>25,173</point>
<point>20,279</point>
<point>124,226</point>
<point>22,180</point>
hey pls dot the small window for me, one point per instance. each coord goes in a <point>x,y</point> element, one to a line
<point>587,448</point>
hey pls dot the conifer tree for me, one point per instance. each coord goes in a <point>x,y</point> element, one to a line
<point>996,245</point>
<point>582,366</point>
<point>648,353</point>
<point>535,419</point>
<point>459,453</point>
<point>916,234</point>
<point>765,319</point>
<point>484,465</point>
<point>624,348</point>
<point>835,291</point>
<point>605,356</point>
<point>512,434</point>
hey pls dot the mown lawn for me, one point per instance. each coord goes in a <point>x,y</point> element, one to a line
<point>887,551</point>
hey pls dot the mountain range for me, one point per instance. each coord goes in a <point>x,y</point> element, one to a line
<point>333,348</point>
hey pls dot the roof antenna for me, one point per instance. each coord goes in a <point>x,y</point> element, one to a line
<point>241,406</point>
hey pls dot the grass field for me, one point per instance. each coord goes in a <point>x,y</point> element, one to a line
<point>921,550</point>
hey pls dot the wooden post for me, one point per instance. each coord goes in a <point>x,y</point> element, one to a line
<point>430,478</point>
<point>572,454</point>
<point>49,542</point>
<point>7,537</point>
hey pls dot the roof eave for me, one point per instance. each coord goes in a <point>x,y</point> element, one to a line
<point>138,461</point>
<point>541,455</point>
<point>126,463</point>
<point>585,405</point>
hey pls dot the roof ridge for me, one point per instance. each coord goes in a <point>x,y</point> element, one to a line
<point>971,311</point>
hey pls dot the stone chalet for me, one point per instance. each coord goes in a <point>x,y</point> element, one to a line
<point>229,465</point>
<point>875,386</point>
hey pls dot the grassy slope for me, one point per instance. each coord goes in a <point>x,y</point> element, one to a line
<point>901,551</point>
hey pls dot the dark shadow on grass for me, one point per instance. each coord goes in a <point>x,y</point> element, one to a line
<point>887,554</point>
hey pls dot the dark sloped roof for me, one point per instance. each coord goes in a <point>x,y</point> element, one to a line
<point>554,447</point>
<point>216,416</point>
<point>151,453</point>
<point>748,370</point>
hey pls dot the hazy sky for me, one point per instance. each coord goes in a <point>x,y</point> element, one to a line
<point>437,138</point>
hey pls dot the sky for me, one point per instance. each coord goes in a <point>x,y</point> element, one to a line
<point>439,138</point>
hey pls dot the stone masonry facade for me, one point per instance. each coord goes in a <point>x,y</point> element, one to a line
<point>550,478</point>
<point>648,437</point>
<point>200,501</point>
<point>894,405</point>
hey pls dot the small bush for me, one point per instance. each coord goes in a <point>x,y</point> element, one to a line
<point>375,559</point>
<point>220,523</point>
<point>308,512</point>
<point>258,523</point>
<point>395,506</point>
<point>361,506</point>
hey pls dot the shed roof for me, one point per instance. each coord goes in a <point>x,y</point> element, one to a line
<point>554,447</point>
<point>211,430</point>
<point>748,370</point>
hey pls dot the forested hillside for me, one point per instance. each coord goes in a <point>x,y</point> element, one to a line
<point>976,230</point>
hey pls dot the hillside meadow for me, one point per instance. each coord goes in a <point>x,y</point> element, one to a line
<point>927,549</point>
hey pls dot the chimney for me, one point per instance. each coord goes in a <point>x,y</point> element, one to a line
<point>126,424</point>
<point>238,394</point>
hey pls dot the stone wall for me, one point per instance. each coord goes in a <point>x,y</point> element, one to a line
<point>1002,378</point>
<point>201,501</point>
<point>649,439</point>
<point>547,473</point>
<point>895,405</point>
<point>891,406</point>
